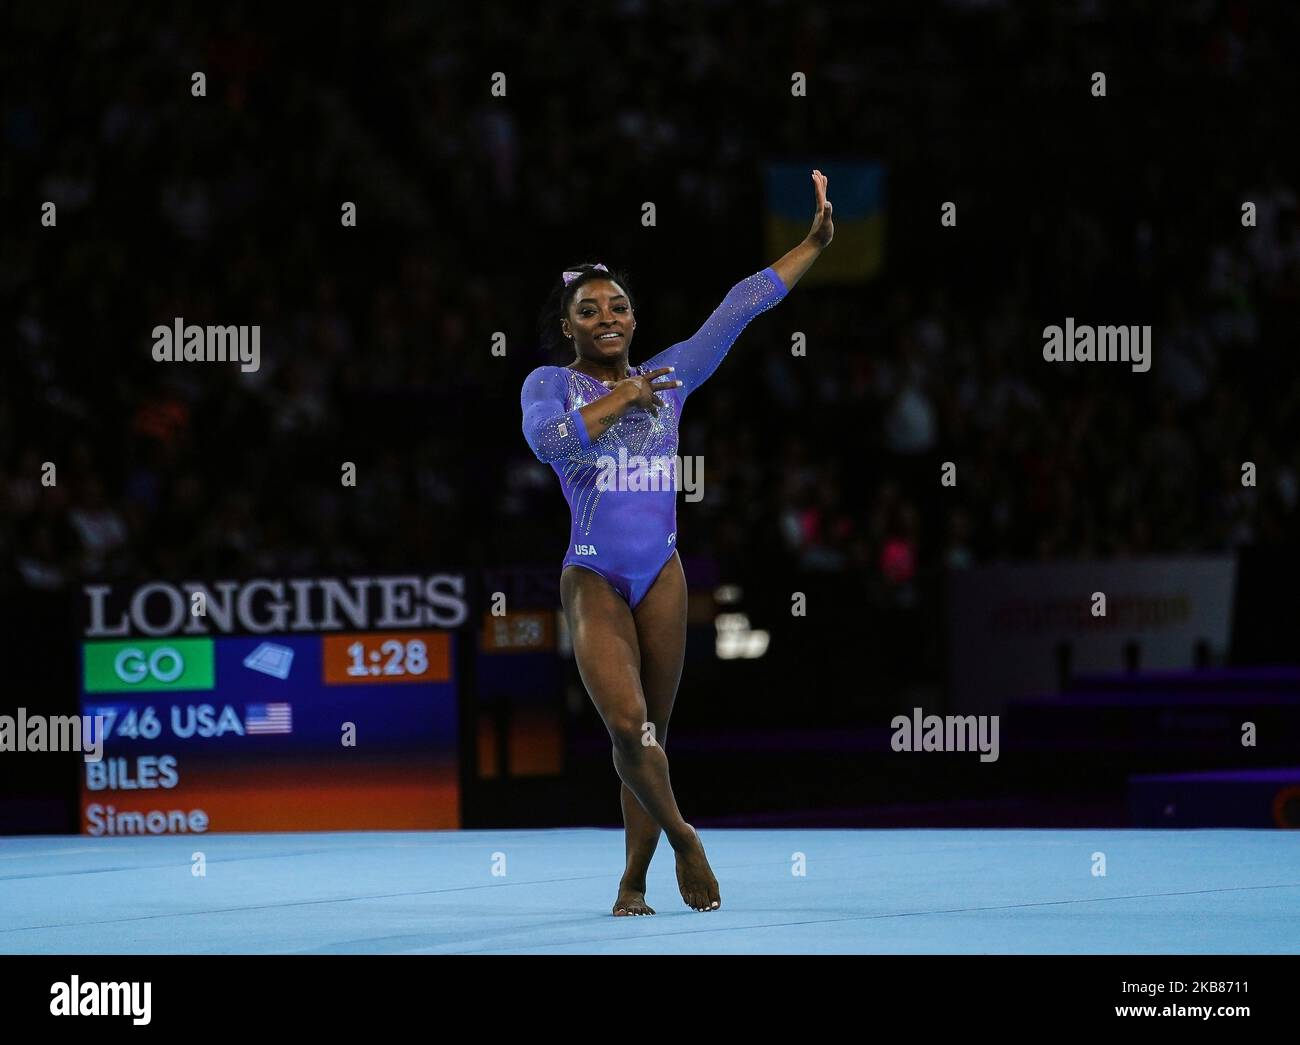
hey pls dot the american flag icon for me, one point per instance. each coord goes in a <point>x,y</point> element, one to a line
<point>268,718</point>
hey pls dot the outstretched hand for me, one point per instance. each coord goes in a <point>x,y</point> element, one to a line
<point>823,229</point>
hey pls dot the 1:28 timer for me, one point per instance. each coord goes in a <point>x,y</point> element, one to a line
<point>392,657</point>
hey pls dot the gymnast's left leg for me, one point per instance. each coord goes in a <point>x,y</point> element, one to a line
<point>660,620</point>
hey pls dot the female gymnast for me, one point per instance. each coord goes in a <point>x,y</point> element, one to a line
<point>622,586</point>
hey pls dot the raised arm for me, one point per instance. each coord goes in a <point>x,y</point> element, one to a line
<point>696,358</point>
<point>699,355</point>
<point>796,262</point>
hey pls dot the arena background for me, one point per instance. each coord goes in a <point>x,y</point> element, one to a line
<point>822,470</point>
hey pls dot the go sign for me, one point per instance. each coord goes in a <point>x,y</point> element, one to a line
<point>148,665</point>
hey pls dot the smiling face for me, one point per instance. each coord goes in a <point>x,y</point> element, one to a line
<point>600,321</point>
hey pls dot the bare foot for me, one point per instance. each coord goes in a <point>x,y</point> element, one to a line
<point>631,900</point>
<point>695,878</point>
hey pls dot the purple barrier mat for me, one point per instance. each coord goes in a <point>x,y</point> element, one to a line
<point>1259,798</point>
<point>1172,697</point>
<point>1289,775</point>
<point>1274,677</point>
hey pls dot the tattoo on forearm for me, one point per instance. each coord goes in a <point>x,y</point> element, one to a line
<point>609,419</point>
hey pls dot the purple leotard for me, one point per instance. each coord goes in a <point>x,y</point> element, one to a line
<point>626,530</point>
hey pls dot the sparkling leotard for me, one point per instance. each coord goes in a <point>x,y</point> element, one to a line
<point>622,488</point>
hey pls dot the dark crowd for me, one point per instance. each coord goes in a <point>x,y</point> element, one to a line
<point>376,341</point>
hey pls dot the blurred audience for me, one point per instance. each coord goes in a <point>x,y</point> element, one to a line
<point>375,340</point>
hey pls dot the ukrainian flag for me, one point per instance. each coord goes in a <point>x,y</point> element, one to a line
<point>857,193</point>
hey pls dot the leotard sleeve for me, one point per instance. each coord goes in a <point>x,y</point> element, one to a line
<point>553,433</point>
<point>699,355</point>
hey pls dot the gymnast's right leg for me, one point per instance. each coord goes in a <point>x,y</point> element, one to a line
<point>609,661</point>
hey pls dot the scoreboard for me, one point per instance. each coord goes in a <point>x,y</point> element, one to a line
<point>339,730</point>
